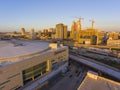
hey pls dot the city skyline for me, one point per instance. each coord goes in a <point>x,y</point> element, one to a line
<point>45,14</point>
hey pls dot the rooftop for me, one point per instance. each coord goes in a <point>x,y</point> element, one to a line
<point>12,51</point>
<point>18,48</point>
<point>94,82</point>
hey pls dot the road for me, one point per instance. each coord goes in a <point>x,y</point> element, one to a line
<point>97,66</point>
<point>70,80</point>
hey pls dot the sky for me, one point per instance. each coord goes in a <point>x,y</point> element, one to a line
<point>40,14</point>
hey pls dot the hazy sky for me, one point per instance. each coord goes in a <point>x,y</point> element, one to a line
<point>39,14</point>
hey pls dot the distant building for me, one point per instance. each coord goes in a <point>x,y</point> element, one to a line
<point>65,32</point>
<point>61,31</point>
<point>53,33</point>
<point>32,34</point>
<point>113,35</point>
<point>87,36</point>
<point>94,82</point>
<point>73,31</point>
<point>23,33</point>
<point>102,37</point>
<point>39,34</point>
<point>50,30</point>
<point>113,42</point>
<point>45,32</point>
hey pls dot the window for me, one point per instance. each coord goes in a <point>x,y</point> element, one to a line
<point>34,72</point>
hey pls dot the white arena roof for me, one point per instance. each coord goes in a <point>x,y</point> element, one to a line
<point>18,48</point>
<point>15,50</point>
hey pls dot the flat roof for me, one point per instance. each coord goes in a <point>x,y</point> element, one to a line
<point>13,48</point>
<point>99,83</point>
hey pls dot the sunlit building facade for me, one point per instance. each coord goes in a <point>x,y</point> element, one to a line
<point>88,36</point>
<point>23,31</point>
<point>27,64</point>
<point>32,34</point>
<point>61,31</point>
<point>113,35</point>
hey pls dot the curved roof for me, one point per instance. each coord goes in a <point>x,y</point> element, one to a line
<point>15,48</point>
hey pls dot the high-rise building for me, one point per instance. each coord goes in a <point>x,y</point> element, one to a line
<point>65,32</point>
<point>51,33</point>
<point>39,34</point>
<point>75,30</point>
<point>32,34</point>
<point>78,27</point>
<point>45,32</point>
<point>23,31</point>
<point>61,31</point>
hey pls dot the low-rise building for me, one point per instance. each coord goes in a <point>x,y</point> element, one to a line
<point>94,82</point>
<point>113,42</point>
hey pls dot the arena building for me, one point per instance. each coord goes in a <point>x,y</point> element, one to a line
<point>22,62</point>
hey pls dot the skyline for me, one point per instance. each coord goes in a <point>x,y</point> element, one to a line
<point>40,14</point>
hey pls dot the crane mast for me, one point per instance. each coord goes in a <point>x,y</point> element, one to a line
<point>80,21</point>
<point>92,21</point>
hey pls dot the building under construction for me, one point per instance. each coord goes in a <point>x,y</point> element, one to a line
<point>87,36</point>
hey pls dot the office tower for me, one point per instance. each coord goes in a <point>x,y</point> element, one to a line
<point>78,29</point>
<point>23,31</point>
<point>32,34</point>
<point>65,32</point>
<point>45,32</point>
<point>73,31</point>
<point>61,31</point>
<point>39,34</point>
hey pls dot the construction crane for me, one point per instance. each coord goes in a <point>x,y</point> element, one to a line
<point>92,23</point>
<point>80,20</point>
